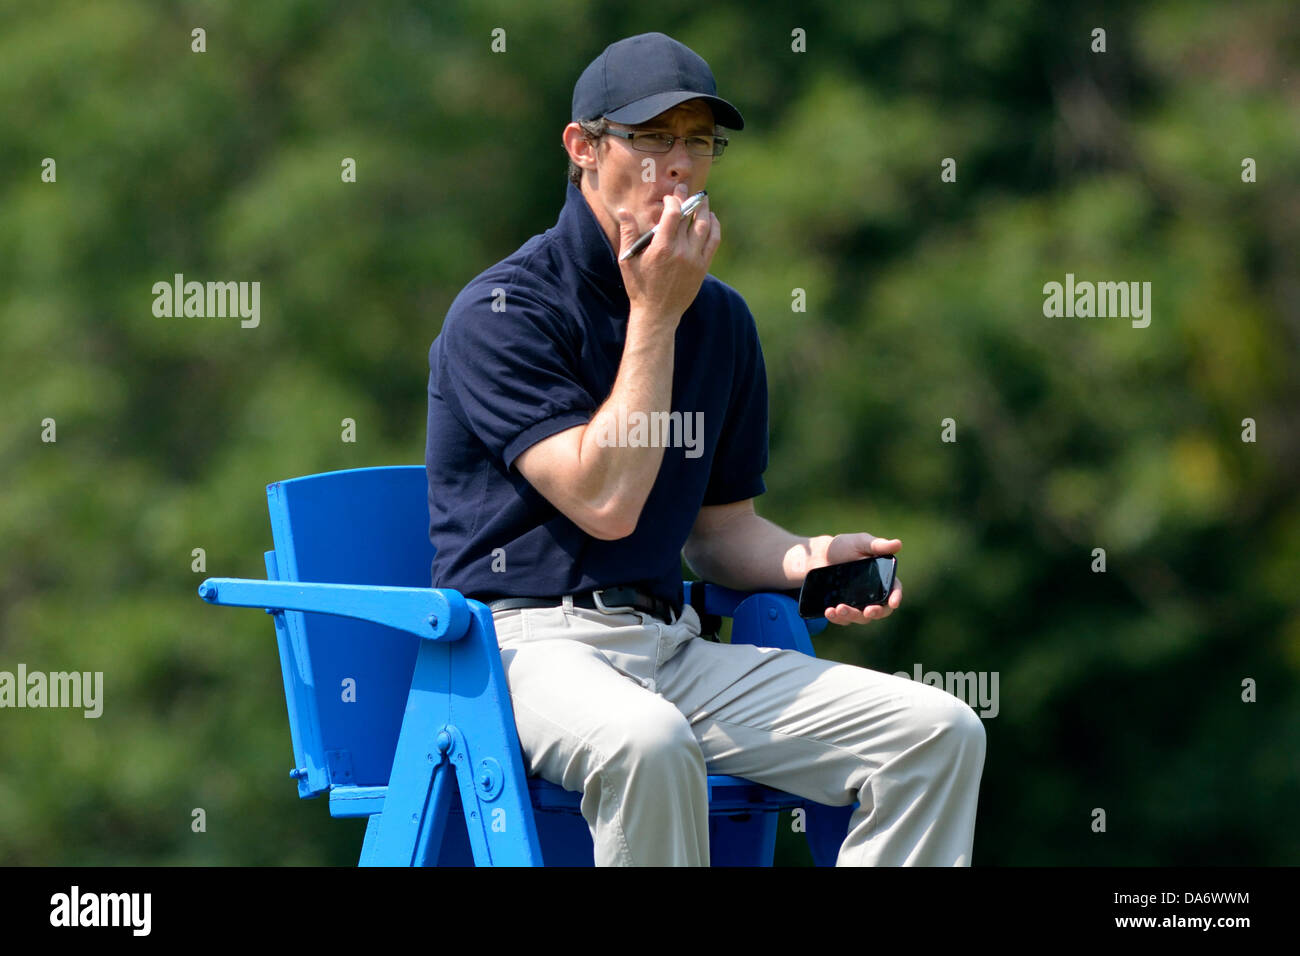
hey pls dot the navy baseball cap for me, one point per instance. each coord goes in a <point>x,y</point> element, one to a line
<point>637,78</point>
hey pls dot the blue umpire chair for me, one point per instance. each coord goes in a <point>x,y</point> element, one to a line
<point>397,698</point>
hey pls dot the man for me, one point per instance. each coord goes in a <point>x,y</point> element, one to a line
<point>551,500</point>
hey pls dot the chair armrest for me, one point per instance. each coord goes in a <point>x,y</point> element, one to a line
<point>724,601</point>
<point>435,614</point>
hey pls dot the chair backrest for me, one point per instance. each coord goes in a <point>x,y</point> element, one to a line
<point>347,681</point>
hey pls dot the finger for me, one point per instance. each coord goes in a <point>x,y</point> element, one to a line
<point>671,216</point>
<point>679,194</point>
<point>896,595</point>
<point>699,218</point>
<point>627,232</point>
<point>685,232</point>
<point>844,614</point>
<point>701,227</point>
<point>701,223</point>
<point>886,545</point>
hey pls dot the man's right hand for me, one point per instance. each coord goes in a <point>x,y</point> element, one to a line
<point>664,278</point>
<point>602,489</point>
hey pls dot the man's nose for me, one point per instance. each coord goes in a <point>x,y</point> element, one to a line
<point>677,162</point>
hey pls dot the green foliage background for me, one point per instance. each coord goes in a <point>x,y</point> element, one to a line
<point>1119,690</point>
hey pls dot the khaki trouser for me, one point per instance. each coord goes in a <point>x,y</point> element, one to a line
<point>628,711</point>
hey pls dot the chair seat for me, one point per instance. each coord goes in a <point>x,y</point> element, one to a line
<point>725,793</point>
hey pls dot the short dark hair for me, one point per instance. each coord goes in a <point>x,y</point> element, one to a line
<point>594,130</point>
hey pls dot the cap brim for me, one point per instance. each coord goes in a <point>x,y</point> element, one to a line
<point>638,111</point>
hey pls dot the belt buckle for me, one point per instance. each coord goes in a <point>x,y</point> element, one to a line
<point>600,604</point>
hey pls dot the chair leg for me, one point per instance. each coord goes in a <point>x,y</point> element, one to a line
<point>368,844</point>
<point>484,746</point>
<point>743,839</point>
<point>435,820</point>
<point>406,827</point>
<point>827,829</point>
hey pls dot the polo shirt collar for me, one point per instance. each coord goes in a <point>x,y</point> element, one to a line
<point>581,236</point>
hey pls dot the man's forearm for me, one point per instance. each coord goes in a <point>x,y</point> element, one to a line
<point>750,553</point>
<point>625,475</point>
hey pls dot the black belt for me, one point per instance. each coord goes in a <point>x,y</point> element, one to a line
<point>615,598</point>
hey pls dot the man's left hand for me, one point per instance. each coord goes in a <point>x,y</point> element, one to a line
<point>854,547</point>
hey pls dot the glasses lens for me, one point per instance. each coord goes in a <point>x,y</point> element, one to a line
<point>652,142</point>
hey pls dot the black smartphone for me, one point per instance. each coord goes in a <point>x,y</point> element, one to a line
<point>858,584</point>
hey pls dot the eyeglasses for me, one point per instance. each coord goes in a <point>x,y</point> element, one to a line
<point>648,142</point>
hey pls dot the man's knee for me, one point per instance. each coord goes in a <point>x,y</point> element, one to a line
<point>657,740</point>
<point>937,718</point>
<point>951,723</point>
<point>964,727</point>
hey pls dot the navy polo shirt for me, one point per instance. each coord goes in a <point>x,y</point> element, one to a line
<point>531,347</point>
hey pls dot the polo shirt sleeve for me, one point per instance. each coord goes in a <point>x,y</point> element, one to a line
<point>741,455</point>
<point>511,376</point>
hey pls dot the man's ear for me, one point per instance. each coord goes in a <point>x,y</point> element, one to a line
<point>581,152</point>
